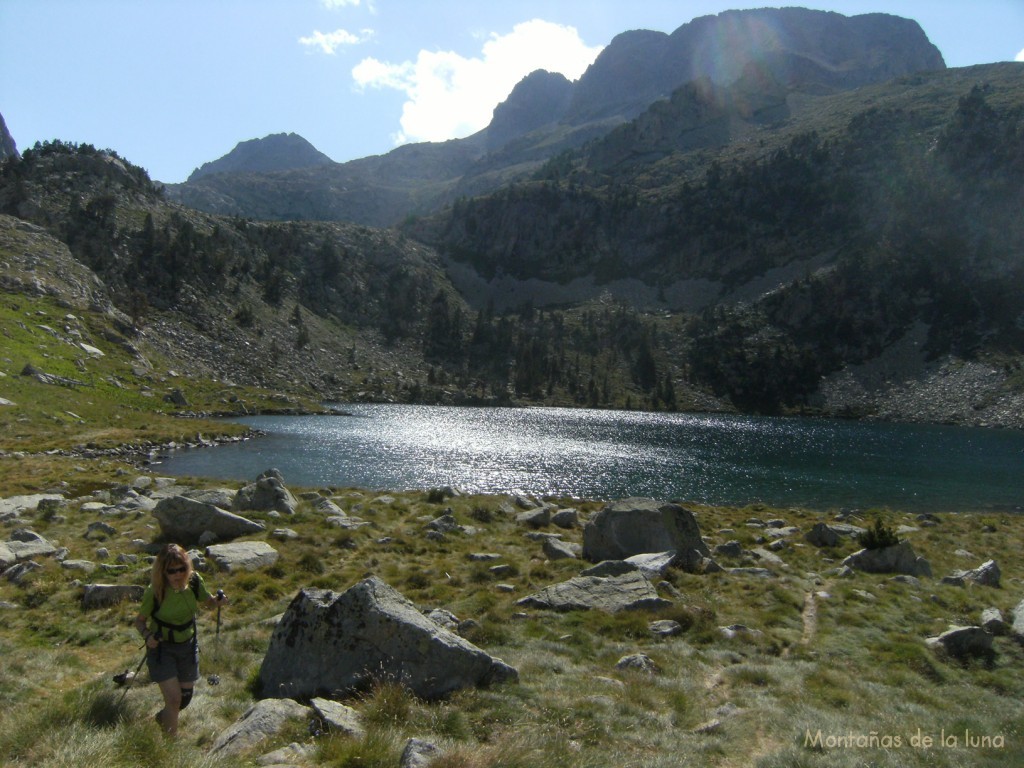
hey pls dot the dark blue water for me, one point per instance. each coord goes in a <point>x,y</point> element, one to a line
<point>816,463</point>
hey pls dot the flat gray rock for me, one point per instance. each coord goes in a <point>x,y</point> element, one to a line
<point>627,592</point>
<point>262,720</point>
<point>242,555</point>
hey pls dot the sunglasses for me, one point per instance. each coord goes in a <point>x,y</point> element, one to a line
<point>172,571</point>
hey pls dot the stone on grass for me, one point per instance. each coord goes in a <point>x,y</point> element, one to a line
<point>184,520</point>
<point>294,754</point>
<point>627,592</point>
<point>334,644</point>
<point>242,555</point>
<point>636,526</point>
<point>267,494</point>
<point>535,518</point>
<point>1017,627</point>
<point>992,621</point>
<point>559,550</point>
<point>103,595</point>
<point>665,628</point>
<point>24,545</point>
<point>261,721</point>
<point>962,642</point>
<point>987,574</point>
<point>899,558</point>
<point>418,754</point>
<point>338,718</point>
<point>566,518</point>
<point>638,662</point>
<point>823,535</point>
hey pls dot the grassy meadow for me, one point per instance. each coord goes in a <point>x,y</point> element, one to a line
<point>837,672</point>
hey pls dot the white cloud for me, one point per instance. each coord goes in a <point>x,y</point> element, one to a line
<point>1020,56</point>
<point>331,41</point>
<point>332,4</point>
<point>451,96</point>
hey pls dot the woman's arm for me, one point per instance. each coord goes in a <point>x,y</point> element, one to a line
<point>142,627</point>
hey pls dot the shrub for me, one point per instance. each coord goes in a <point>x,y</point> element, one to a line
<point>878,536</point>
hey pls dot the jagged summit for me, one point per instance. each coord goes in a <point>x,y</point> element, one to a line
<point>277,152</point>
<point>818,51</point>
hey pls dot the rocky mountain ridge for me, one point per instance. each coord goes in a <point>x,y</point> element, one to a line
<point>806,51</point>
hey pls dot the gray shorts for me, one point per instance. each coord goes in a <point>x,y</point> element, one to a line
<point>170,661</point>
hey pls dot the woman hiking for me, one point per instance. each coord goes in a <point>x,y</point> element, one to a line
<point>167,622</point>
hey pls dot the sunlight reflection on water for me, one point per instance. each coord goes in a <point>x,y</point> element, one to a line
<point>612,454</point>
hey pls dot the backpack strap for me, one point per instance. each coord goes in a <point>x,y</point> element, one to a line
<point>194,585</point>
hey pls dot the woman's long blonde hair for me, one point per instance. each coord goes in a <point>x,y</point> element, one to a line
<point>172,554</point>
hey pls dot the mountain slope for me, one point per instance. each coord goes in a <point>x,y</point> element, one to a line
<point>805,249</point>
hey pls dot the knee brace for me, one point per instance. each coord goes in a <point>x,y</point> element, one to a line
<point>186,697</point>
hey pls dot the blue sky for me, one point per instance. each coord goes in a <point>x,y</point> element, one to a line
<point>171,84</point>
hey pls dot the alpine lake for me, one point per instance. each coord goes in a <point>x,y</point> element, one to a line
<point>600,454</point>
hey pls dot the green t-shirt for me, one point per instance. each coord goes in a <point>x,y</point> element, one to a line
<point>176,608</point>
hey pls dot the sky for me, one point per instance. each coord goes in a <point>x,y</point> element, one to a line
<point>172,84</point>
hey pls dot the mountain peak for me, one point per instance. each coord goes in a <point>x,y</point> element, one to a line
<point>814,51</point>
<point>276,152</point>
<point>538,99</point>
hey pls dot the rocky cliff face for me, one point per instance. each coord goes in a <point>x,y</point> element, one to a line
<point>816,51</point>
<point>277,152</point>
<point>537,100</point>
<point>7,146</point>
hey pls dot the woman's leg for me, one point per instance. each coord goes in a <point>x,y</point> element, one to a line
<point>168,716</point>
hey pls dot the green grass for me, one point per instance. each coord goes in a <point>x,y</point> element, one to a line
<point>864,668</point>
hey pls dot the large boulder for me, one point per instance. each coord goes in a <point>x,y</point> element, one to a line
<point>628,591</point>
<point>899,558</point>
<point>184,520</point>
<point>267,494</point>
<point>331,644</point>
<point>636,526</point>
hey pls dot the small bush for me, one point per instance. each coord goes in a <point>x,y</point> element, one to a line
<point>437,496</point>
<point>878,536</point>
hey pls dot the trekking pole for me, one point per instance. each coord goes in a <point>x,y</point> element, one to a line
<point>132,681</point>
<point>215,679</point>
